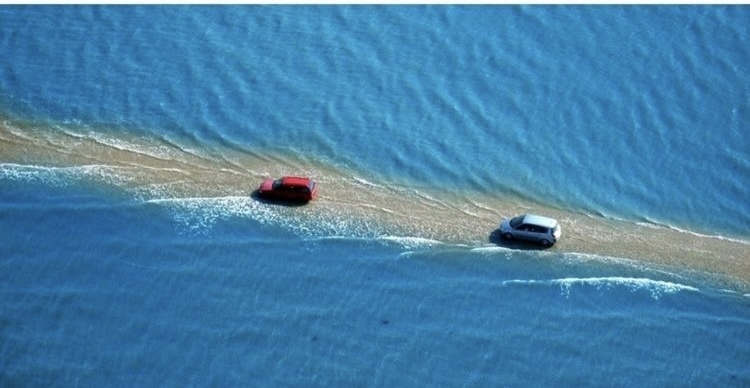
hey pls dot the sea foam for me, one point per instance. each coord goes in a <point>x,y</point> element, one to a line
<point>656,288</point>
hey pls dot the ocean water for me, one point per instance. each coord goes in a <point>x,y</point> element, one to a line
<point>133,253</point>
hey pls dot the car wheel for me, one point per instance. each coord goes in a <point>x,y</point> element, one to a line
<point>545,242</point>
<point>508,236</point>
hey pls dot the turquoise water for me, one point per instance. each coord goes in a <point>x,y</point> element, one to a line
<point>133,254</point>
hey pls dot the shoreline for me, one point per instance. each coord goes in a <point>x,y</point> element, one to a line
<point>155,169</point>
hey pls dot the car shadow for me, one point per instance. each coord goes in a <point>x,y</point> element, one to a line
<point>256,196</point>
<point>497,239</point>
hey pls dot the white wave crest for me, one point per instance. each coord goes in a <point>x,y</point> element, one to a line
<point>199,215</point>
<point>147,147</point>
<point>60,176</point>
<point>656,288</point>
<point>365,182</point>
<point>489,250</point>
<point>411,242</point>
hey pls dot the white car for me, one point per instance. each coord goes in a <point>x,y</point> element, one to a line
<point>529,227</point>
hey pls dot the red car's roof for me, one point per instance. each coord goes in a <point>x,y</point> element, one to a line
<point>295,181</point>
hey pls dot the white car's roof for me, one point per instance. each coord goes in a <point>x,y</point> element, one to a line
<point>540,220</point>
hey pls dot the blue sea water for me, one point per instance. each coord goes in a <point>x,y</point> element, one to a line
<point>634,113</point>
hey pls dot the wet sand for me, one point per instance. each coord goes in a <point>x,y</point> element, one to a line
<point>156,169</point>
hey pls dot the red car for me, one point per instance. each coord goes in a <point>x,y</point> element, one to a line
<point>288,188</point>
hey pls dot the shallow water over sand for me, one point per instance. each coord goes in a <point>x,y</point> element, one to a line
<point>203,188</point>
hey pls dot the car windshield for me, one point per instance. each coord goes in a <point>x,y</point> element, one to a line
<point>516,221</point>
<point>277,184</point>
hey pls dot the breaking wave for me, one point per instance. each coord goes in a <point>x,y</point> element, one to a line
<point>655,288</point>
